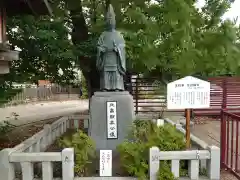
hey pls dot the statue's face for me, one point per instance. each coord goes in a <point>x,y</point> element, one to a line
<point>110,22</point>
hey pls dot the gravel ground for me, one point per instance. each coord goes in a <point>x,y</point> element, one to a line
<point>227,176</point>
<point>23,132</point>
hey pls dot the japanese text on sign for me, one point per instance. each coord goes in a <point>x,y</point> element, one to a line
<point>105,163</point>
<point>112,120</point>
<point>188,92</point>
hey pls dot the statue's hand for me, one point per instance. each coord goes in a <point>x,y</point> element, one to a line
<point>115,49</point>
<point>105,48</point>
<point>115,46</point>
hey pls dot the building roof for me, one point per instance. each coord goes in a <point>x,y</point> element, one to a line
<point>35,7</point>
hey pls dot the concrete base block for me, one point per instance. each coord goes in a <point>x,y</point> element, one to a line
<point>98,118</point>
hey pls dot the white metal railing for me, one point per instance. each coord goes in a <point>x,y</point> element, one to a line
<point>30,152</point>
<point>23,156</point>
<point>27,161</point>
<point>41,140</point>
<point>212,155</point>
<point>50,132</point>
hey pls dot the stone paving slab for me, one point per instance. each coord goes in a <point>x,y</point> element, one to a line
<point>209,132</point>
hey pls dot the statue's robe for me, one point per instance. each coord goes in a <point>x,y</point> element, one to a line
<point>111,61</point>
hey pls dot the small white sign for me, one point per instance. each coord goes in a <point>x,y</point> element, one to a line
<point>160,122</point>
<point>188,92</point>
<point>112,127</point>
<point>105,162</point>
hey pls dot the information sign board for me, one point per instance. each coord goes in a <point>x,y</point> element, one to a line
<point>188,93</point>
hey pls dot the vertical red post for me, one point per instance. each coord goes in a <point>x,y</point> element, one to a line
<point>223,124</point>
<point>224,95</point>
<point>188,117</point>
<point>236,155</point>
<point>227,147</point>
<point>81,124</point>
<point>232,141</point>
<point>136,95</point>
<point>223,137</point>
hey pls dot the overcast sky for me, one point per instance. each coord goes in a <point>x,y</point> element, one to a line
<point>231,14</point>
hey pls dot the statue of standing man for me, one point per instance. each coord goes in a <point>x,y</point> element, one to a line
<point>111,62</point>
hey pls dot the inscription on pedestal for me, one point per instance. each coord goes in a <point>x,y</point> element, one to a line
<point>112,126</point>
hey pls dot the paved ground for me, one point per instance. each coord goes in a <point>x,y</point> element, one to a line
<point>209,132</point>
<point>26,113</point>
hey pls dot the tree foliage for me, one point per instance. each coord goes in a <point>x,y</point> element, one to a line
<point>168,39</point>
<point>45,49</point>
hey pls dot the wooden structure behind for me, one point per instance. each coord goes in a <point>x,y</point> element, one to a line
<point>148,96</point>
<point>21,7</point>
<point>3,35</point>
<point>230,144</point>
<point>151,98</point>
<point>225,93</point>
<point>6,55</point>
<point>11,8</point>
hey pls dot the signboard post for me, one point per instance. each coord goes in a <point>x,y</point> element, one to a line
<point>188,93</point>
<point>105,163</point>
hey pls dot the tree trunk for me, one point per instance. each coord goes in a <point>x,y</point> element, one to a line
<point>107,3</point>
<point>93,81</point>
<point>80,35</point>
<point>128,82</point>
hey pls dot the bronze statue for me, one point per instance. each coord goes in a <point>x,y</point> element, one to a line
<point>111,61</point>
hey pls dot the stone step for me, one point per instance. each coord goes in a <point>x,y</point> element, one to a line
<point>126,178</point>
<point>120,178</point>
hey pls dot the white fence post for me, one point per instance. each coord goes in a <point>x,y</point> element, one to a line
<point>6,168</point>
<point>27,170</point>
<point>47,170</point>
<point>65,125</point>
<point>154,162</point>
<point>68,164</point>
<point>213,164</point>
<point>48,137</point>
<point>193,168</point>
<point>175,166</point>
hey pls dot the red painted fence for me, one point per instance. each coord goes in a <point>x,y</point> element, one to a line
<point>225,93</point>
<point>230,149</point>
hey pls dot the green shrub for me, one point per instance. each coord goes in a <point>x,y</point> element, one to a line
<point>134,152</point>
<point>84,149</point>
<point>165,172</point>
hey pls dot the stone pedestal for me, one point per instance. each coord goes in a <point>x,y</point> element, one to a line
<point>98,118</point>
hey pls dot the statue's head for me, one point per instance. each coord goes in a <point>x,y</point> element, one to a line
<point>110,18</point>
